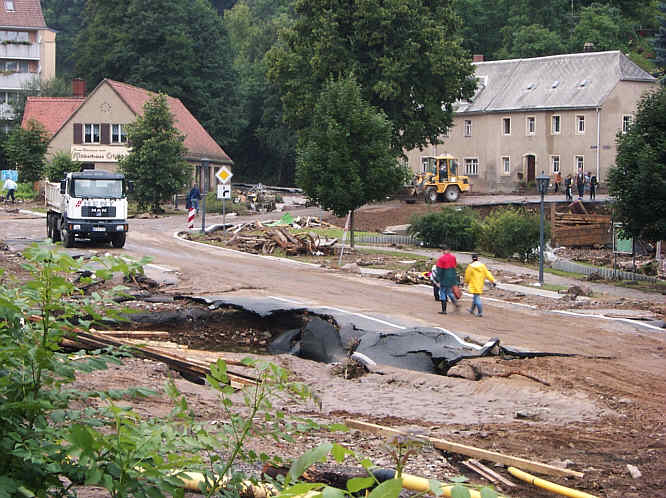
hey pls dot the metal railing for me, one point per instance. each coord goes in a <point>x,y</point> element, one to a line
<point>603,272</point>
<point>386,240</point>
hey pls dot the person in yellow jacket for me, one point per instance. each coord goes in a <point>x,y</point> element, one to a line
<point>475,275</point>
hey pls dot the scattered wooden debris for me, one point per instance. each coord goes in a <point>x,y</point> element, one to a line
<point>489,474</point>
<point>408,277</point>
<point>462,449</point>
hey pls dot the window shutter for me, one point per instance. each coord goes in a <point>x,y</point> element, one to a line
<point>104,133</point>
<point>78,133</point>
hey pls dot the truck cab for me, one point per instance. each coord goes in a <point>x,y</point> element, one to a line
<point>88,204</point>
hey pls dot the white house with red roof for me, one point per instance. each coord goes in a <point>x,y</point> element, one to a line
<point>92,129</point>
<point>27,51</point>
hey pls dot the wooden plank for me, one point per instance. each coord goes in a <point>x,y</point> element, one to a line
<point>134,334</point>
<point>470,451</point>
<point>497,476</point>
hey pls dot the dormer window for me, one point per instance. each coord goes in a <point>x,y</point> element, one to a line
<point>9,5</point>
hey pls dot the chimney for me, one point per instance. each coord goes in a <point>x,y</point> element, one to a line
<point>477,58</point>
<point>588,47</point>
<point>78,87</point>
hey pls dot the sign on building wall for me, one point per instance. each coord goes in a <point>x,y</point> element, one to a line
<point>12,174</point>
<point>98,154</point>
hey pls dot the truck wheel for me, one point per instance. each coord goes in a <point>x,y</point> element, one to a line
<point>118,240</point>
<point>452,193</point>
<point>55,230</point>
<point>66,236</point>
<point>431,196</point>
<point>49,228</point>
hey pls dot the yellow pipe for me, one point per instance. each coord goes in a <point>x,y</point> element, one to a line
<point>193,480</point>
<point>550,486</point>
<point>422,485</point>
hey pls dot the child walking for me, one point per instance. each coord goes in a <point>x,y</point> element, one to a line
<point>475,275</point>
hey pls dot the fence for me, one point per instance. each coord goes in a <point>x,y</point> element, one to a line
<point>605,273</point>
<point>386,240</point>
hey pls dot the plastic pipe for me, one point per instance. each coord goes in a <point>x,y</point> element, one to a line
<point>550,486</point>
<point>416,483</point>
<point>192,482</point>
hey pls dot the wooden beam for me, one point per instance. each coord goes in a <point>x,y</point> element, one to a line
<point>470,451</point>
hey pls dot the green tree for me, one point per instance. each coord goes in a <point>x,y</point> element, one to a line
<point>266,148</point>
<point>660,40</point>
<point>345,160</point>
<point>156,161</point>
<point>56,87</point>
<point>61,163</point>
<point>178,48</point>
<point>603,26</point>
<point>25,149</point>
<point>407,57</point>
<point>637,182</point>
<point>66,17</point>
<point>535,41</point>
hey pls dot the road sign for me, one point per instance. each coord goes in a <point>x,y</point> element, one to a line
<point>223,191</point>
<point>224,174</point>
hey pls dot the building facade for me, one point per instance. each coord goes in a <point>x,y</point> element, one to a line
<point>548,114</point>
<point>27,52</point>
<point>92,129</point>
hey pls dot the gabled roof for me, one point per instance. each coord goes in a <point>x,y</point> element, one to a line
<point>197,140</point>
<point>572,81</point>
<point>26,14</point>
<point>52,112</point>
<point>55,112</point>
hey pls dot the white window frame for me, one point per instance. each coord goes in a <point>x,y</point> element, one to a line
<point>579,165</point>
<point>506,165</point>
<point>9,6</point>
<point>505,120</point>
<point>555,163</point>
<point>471,166</point>
<point>121,133</point>
<point>468,127</point>
<point>627,121</point>
<point>580,124</point>
<point>93,127</point>
<point>532,120</point>
<point>553,119</point>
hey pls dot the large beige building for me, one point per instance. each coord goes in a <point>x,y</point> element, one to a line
<point>547,114</point>
<point>27,52</point>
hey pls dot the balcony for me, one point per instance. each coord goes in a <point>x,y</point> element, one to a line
<point>19,51</point>
<point>6,112</point>
<point>17,81</point>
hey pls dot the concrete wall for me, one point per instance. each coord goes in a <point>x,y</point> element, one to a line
<point>47,54</point>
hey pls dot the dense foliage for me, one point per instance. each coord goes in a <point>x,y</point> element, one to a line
<point>407,57</point>
<point>344,158</point>
<point>25,149</point>
<point>60,165</point>
<point>457,228</point>
<point>638,180</point>
<point>660,41</point>
<point>510,231</point>
<point>156,162</point>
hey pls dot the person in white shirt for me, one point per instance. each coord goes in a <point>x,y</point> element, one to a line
<point>10,187</point>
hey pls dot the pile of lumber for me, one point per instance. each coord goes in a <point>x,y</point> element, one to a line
<point>577,228</point>
<point>268,240</point>
<point>408,277</point>
<point>299,222</point>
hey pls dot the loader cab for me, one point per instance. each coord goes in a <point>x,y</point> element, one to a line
<point>440,168</point>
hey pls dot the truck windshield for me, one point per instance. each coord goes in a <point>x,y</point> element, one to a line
<point>98,189</point>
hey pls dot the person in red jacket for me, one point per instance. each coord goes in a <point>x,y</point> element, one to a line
<point>447,278</point>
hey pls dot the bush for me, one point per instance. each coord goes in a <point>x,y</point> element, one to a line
<point>459,229</point>
<point>25,191</point>
<point>60,165</point>
<point>508,231</point>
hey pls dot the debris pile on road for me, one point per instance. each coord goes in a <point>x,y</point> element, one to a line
<point>408,277</point>
<point>293,244</point>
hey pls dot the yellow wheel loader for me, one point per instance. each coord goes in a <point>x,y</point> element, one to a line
<point>439,180</point>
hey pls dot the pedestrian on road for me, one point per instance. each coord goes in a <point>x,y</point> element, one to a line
<point>475,276</point>
<point>593,187</point>
<point>194,196</point>
<point>557,179</point>
<point>10,187</point>
<point>435,283</point>
<point>568,187</point>
<point>447,278</point>
<point>580,184</point>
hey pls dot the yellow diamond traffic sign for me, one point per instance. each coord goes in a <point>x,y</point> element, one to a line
<point>224,174</point>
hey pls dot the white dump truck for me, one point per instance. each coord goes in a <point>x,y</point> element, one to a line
<point>89,205</point>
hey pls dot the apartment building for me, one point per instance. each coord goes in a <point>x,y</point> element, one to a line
<point>547,114</point>
<point>27,52</point>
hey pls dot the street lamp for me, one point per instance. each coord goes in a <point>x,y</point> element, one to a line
<point>542,184</point>
<point>205,180</point>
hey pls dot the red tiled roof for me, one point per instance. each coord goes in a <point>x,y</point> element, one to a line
<point>52,112</point>
<point>26,14</point>
<point>197,140</point>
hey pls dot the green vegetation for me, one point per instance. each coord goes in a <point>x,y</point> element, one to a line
<point>26,148</point>
<point>505,232</point>
<point>156,162</point>
<point>458,228</point>
<point>638,180</point>
<point>26,192</point>
<point>60,165</point>
<point>214,205</point>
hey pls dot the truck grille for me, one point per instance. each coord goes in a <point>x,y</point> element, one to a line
<point>98,211</point>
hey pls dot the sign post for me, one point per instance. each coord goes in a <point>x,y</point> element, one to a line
<point>224,193</point>
<point>204,190</point>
